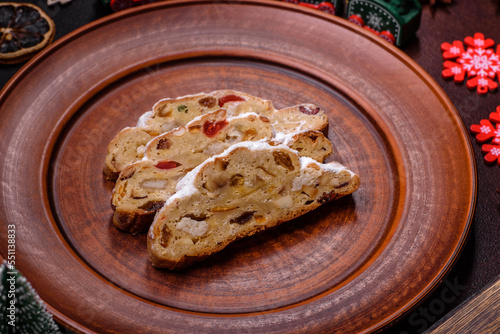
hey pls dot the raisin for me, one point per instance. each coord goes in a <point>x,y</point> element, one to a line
<point>152,205</point>
<point>164,144</point>
<point>167,164</point>
<point>210,129</point>
<point>342,185</point>
<point>165,236</point>
<point>327,197</point>
<point>308,110</point>
<point>208,101</point>
<point>229,98</point>
<point>283,159</point>
<point>243,218</point>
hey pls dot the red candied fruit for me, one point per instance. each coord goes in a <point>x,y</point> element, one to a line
<point>229,98</point>
<point>167,164</point>
<point>210,129</point>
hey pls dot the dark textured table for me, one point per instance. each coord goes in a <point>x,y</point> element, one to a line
<point>479,264</point>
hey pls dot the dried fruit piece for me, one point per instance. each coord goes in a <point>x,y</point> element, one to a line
<point>152,205</point>
<point>164,144</point>
<point>243,218</point>
<point>208,101</point>
<point>229,98</point>
<point>327,197</point>
<point>309,111</point>
<point>183,108</point>
<point>165,236</point>
<point>283,159</point>
<point>24,31</point>
<point>210,129</point>
<point>167,164</point>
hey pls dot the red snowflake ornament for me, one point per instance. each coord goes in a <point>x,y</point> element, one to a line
<point>495,116</point>
<point>479,62</point>
<point>485,131</point>
<point>492,153</point>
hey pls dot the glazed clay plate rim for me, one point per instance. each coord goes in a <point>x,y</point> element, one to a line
<point>106,81</point>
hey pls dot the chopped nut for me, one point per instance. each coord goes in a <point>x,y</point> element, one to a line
<point>284,202</point>
<point>154,184</point>
<point>179,131</point>
<point>310,190</point>
<point>215,182</point>
<point>163,111</point>
<point>187,242</point>
<point>126,174</point>
<point>196,228</point>
<point>266,172</point>
<point>140,151</point>
<point>223,208</point>
<point>221,164</point>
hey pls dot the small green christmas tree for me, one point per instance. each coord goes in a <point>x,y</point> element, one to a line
<point>22,311</point>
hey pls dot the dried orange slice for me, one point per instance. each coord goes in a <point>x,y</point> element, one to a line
<point>25,29</point>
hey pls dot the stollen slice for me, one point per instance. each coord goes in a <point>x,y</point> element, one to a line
<point>250,187</point>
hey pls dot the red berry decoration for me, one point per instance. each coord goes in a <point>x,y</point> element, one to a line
<point>479,62</point>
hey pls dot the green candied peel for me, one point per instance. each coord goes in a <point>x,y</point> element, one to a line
<point>182,108</point>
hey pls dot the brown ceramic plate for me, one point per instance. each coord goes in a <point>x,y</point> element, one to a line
<point>355,265</point>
